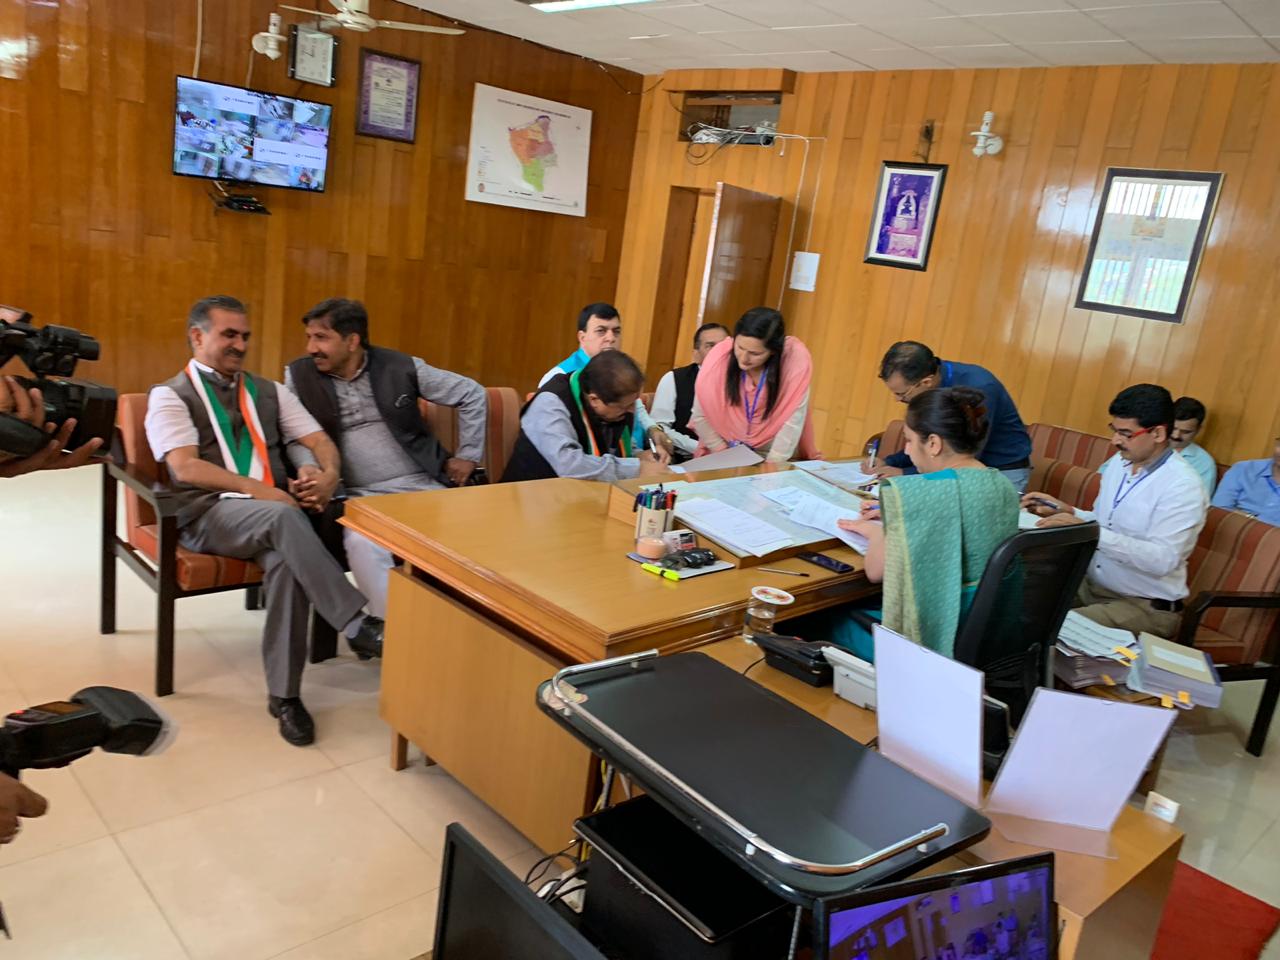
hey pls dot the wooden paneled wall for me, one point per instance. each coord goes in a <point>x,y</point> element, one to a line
<point>1012,234</point>
<point>98,234</point>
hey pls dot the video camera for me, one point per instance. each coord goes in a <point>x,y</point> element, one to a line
<point>51,351</point>
<point>55,733</point>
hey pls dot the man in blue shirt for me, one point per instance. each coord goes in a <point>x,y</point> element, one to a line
<point>1188,418</point>
<point>1253,487</point>
<point>910,368</point>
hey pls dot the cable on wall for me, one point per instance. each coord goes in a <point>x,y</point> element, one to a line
<point>195,67</point>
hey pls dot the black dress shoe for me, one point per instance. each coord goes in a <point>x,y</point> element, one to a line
<point>296,725</point>
<point>368,642</point>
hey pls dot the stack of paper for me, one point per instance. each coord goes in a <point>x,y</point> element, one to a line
<point>847,476</point>
<point>1027,520</point>
<point>730,527</point>
<point>1179,675</point>
<point>811,511</point>
<point>1089,653</point>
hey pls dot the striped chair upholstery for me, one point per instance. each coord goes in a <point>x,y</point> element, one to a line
<point>194,571</point>
<point>1068,446</point>
<point>1077,486</point>
<point>1236,553</point>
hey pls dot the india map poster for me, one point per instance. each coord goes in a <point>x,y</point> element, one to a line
<point>528,152</point>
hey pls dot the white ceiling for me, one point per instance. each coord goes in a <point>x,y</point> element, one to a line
<point>815,35</point>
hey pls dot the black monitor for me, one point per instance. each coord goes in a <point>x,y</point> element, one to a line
<point>486,913</point>
<point>1002,909</point>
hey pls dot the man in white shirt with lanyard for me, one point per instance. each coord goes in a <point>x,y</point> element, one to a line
<point>1151,507</point>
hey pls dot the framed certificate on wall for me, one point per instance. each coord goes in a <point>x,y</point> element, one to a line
<point>388,96</point>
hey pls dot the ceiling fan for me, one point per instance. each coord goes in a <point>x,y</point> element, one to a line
<point>354,15</point>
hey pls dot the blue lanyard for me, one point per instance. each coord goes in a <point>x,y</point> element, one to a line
<point>751,407</point>
<point>1124,491</point>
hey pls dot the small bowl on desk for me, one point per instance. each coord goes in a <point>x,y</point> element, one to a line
<point>651,548</point>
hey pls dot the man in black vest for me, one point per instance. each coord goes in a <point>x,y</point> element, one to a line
<point>673,402</point>
<point>221,432</point>
<point>366,398</point>
<point>580,425</point>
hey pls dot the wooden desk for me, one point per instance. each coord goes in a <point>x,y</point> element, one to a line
<point>505,584</point>
<point>1110,909</point>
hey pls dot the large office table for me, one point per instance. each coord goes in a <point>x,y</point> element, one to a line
<point>505,584</point>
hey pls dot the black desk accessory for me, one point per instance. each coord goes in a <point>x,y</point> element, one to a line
<point>658,891</point>
<point>486,913</point>
<point>822,560</point>
<point>797,658</point>
<point>805,809</point>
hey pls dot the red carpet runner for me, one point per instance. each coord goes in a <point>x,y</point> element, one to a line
<point>1206,918</point>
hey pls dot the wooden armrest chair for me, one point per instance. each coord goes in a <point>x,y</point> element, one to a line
<point>150,545</point>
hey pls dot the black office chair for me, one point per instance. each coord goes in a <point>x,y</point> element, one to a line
<point>1013,622</point>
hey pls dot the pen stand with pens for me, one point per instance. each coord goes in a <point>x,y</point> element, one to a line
<point>653,522</point>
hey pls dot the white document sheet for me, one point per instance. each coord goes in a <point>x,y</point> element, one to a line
<point>1027,520</point>
<point>1093,639</point>
<point>929,709</point>
<point>811,511</point>
<point>730,526</point>
<point>1076,759</point>
<point>843,473</point>
<point>738,456</point>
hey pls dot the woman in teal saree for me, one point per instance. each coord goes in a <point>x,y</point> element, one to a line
<point>932,533</point>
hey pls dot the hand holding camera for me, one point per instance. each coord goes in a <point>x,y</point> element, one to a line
<point>27,406</point>
<point>48,423</point>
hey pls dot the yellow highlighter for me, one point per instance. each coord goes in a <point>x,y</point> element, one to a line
<point>660,571</point>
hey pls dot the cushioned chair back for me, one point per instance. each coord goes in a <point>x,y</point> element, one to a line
<point>1022,598</point>
<point>892,440</point>
<point>442,421</point>
<point>1236,553</point>
<point>131,414</point>
<point>1077,486</point>
<point>1069,446</point>
<point>501,429</point>
<point>504,428</point>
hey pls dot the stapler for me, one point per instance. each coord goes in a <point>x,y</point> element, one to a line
<point>801,659</point>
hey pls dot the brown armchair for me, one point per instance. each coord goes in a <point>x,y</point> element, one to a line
<point>150,544</point>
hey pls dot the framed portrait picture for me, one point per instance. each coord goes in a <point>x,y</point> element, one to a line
<point>906,209</point>
<point>388,96</point>
<point>1147,242</point>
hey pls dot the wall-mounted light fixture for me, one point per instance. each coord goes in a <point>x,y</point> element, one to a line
<point>989,144</point>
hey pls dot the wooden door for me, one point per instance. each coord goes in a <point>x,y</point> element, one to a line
<point>736,275</point>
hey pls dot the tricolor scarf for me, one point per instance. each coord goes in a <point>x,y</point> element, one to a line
<point>246,454</point>
<point>624,441</point>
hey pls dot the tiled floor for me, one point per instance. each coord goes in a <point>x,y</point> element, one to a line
<point>235,845</point>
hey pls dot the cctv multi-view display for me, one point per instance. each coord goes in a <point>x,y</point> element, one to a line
<point>231,133</point>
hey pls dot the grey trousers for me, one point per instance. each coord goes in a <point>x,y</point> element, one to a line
<point>1128,613</point>
<point>297,572</point>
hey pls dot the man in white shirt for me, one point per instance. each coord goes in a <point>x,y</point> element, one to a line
<point>600,329</point>
<point>221,432</point>
<point>673,401</point>
<point>1188,418</point>
<point>1151,507</point>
